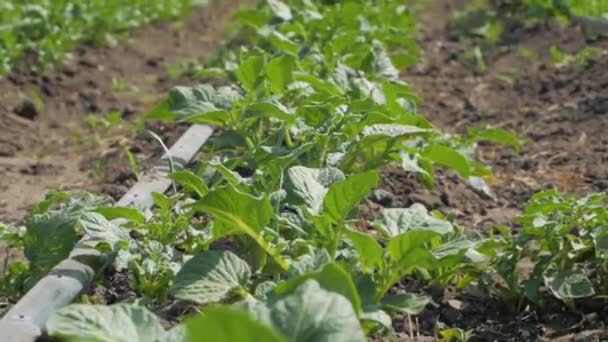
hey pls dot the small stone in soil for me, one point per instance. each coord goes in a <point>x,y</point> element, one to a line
<point>27,109</point>
<point>382,197</point>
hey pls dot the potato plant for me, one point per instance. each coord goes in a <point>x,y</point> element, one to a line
<point>309,106</point>
<point>48,29</point>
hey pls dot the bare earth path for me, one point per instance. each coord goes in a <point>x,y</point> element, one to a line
<point>39,148</point>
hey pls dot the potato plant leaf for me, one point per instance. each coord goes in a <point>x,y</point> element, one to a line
<point>332,277</point>
<point>223,324</point>
<point>310,263</point>
<point>101,233</point>
<point>283,44</point>
<point>210,277</point>
<point>131,214</point>
<point>569,284</point>
<point>448,157</point>
<point>311,313</point>
<point>49,238</point>
<point>200,104</point>
<point>190,182</point>
<point>249,72</point>
<point>407,303</point>
<point>116,323</point>
<point>280,9</point>
<point>309,186</point>
<point>371,254</point>
<point>344,196</point>
<point>279,73</point>
<point>409,250</point>
<point>395,221</point>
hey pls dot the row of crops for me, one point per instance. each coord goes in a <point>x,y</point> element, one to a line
<point>263,242</point>
<point>48,29</point>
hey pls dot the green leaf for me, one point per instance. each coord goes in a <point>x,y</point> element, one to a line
<point>223,324</point>
<point>100,231</point>
<point>370,253</point>
<point>279,73</point>
<point>332,278</point>
<point>235,211</point>
<point>497,135</point>
<point>101,323</point>
<point>201,104</point>
<point>393,130</point>
<point>253,18</point>
<point>219,118</point>
<point>407,303</point>
<point>52,197</point>
<point>280,9</point>
<point>131,214</point>
<point>310,263</point>
<point>569,284</point>
<point>49,238</point>
<point>395,221</point>
<point>344,196</point>
<point>309,186</point>
<point>239,213</point>
<point>272,109</point>
<point>263,290</point>
<point>448,157</point>
<point>210,277</point>
<point>190,182</point>
<point>283,44</point>
<point>317,83</point>
<point>409,250</point>
<point>311,313</point>
<point>233,178</point>
<point>249,71</point>
<point>369,153</point>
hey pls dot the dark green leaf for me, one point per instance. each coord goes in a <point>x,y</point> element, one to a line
<point>343,197</point>
<point>448,157</point>
<point>569,284</point>
<point>131,214</point>
<point>222,324</point>
<point>210,277</point>
<point>249,71</point>
<point>370,253</point>
<point>49,238</point>
<point>190,182</point>
<point>279,73</point>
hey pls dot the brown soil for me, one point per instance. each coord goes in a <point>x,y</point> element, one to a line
<point>42,115</point>
<point>562,113</point>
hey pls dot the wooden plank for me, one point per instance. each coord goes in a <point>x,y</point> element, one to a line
<point>25,321</point>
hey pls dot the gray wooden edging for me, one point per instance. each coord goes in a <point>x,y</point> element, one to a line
<point>25,321</point>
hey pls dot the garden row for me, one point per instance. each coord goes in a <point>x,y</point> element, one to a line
<point>47,29</point>
<point>264,235</point>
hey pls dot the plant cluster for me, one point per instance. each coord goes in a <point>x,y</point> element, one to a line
<point>483,23</point>
<point>48,29</point>
<point>263,234</point>
<point>561,248</point>
<point>310,107</point>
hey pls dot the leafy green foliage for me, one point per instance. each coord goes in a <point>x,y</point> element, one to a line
<point>310,313</point>
<point>51,28</point>
<point>310,107</point>
<point>210,277</point>
<point>226,325</point>
<point>564,238</point>
<point>121,322</point>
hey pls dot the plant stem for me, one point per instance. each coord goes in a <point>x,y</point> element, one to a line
<point>335,243</point>
<point>288,140</point>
